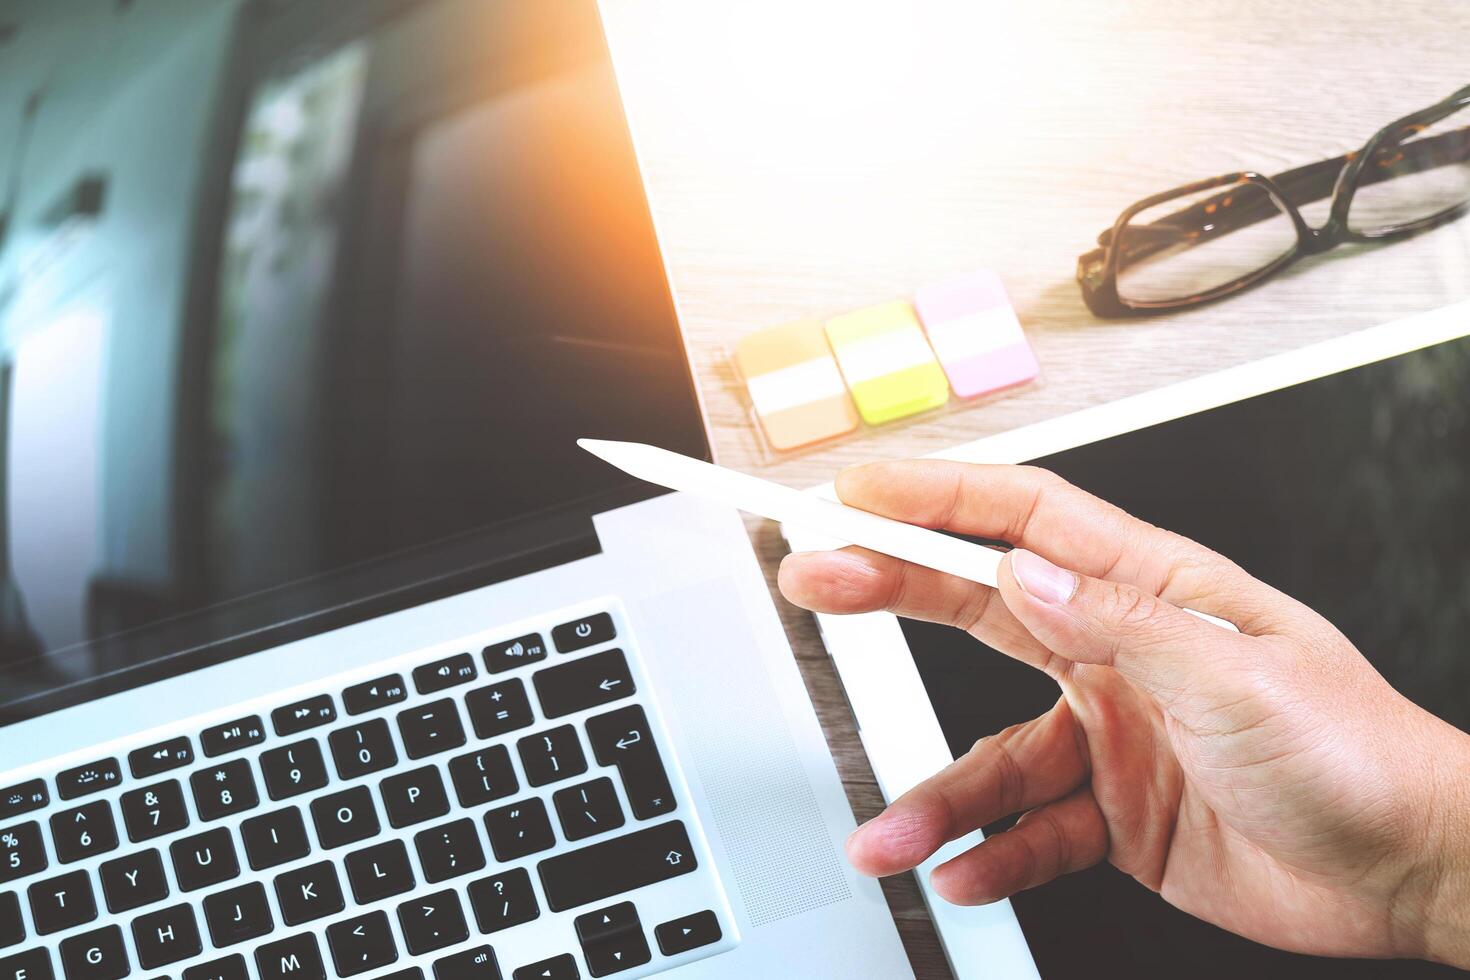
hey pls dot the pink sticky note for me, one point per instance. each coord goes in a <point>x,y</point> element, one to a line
<point>975,334</point>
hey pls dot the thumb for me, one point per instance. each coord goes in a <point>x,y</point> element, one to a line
<point>1183,662</point>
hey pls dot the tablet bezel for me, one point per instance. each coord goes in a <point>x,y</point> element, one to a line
<point>896,721</point>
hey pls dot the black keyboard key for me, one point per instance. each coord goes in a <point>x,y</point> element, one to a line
<point>446,673</point>
<point>449,851</point>
<point>379,872</point>
<point>499,709</point>
<point>519,829</point>
<point>622,738</point>
<point>238,915</point>
<point>23,798</point>
<point>482,776</point>
<point>432,922</point>
<point>431,728</point>
<point>552,755</point>
<point>310,893</point>
<point>582,633</point>
<point>12,925</point>
<point>91,778</point>
<point>363,749</point>
<point>412,973</point>
<point>85,832</point>
<point>293,719</point>
<point>33,964</point>
<point>689,932</point>
<point>612,940</point>
<point>297,958</point>
<point>478,963</point>
<point>509,654</point>
<point>22,852</point>
<point>62,903</point>
<point>274,838</point>
<point>588,809</point>
<point>134,881</point>
<point>504,900</point>
<point>362,944</point>
<point>97,955</point>
<point>293,769</point>
<point>230,968</point>
<point>583,683</point>
<point>603,924</point>
<point>372,695</point>
<point>607,868</point>
<point>204,859</point>
<point>345,818</point>
<point>166,936</point>
<point>413,797</point>
<point>232,736</point>
<point>224,790</point>
<point>563,967</point>
<point>154,811</point>
<point>151,760</point>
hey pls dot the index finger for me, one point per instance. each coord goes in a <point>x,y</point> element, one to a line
<point>1037,510</point>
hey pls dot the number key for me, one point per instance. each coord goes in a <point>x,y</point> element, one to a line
<point>154,811</point>
<point>293,769</point>
<point>84,832</point>
<point>361,749</point>
<point>225,789</point>
<point>22,851</point>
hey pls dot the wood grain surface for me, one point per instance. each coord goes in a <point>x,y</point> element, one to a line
<point>807,157</point>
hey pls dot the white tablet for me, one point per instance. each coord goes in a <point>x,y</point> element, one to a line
<point>1339,473</point>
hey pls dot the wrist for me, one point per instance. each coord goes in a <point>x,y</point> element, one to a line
<point>1434,913</point>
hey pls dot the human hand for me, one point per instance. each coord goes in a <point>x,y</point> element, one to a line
<point>1270,782</point>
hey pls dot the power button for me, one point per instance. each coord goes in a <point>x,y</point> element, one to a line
<point>585,632</point>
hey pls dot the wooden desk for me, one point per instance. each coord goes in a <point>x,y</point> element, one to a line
<point>806,157</point>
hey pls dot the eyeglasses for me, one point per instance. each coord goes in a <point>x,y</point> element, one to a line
<point>1214,238</point>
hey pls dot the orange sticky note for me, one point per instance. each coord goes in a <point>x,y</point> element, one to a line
<point>794,385</point>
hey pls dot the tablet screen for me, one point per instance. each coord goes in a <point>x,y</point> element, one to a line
<point>1351,493</point>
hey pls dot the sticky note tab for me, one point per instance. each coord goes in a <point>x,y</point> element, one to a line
<point>975,333</point>
<point>887,363</point>
<point>794,385</point>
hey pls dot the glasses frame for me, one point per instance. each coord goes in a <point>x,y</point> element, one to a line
<point>1097,270</point>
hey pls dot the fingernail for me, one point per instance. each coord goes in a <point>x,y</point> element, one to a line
<point>1041,579</point>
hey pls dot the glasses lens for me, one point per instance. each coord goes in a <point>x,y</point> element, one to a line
<point>1421,177</point>
<point>1192,245</point>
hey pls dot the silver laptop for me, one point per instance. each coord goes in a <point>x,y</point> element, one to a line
<point>323,650</point>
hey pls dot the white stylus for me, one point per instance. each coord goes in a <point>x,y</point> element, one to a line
<point>742,491</point>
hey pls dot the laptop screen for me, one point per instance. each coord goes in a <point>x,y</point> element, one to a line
<point>1350,493</point>
<point>302,307</point>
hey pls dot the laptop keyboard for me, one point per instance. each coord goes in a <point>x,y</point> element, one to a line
<point>511,810</point>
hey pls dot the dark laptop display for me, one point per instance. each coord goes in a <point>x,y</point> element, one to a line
<point>303,306</point>
<point>1351,493</point>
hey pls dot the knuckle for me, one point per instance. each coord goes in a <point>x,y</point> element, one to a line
<point>1126,609</point>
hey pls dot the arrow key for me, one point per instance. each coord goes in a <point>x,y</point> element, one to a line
<point>612,940</point>
<point>689,932</point>
<point>563,967</point>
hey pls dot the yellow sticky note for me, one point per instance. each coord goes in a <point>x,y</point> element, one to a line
<point>887,362</point>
